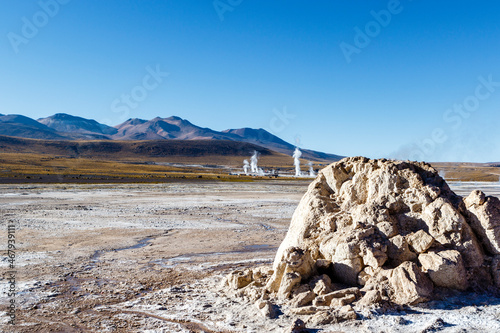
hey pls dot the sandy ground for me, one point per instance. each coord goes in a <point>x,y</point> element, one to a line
<point>148,258</point>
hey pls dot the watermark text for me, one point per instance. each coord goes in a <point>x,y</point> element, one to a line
<point>11,273</point>
<point>31,26</point>
<point>139,93</point>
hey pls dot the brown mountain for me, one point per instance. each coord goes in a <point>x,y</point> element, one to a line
<point>67,127</point>
<point>172,128</point>
<point>263,138</point>
<point>78,127</point>
<point>197,151</point>
<point>21,126</point>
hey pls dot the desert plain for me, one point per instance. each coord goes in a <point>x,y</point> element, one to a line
<point>151,257</point>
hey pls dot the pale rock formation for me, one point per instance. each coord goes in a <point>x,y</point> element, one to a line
<point>371,297</point>
<point>298,326</point>
<point>445,268</point>
<point>288,282</point>
<point>321,284</point>
<point>329,316</point>
<point>399,250</point>
<point>420,241</point>
<point>240,279</point>
<point>484,214</point>
<point>266,308</point>
<point>337,298</point>
<point>408,285</point>
<point>303,298</point>
<point>371,232</point>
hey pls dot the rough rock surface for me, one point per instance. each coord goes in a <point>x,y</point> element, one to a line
<point>484,217</point>
<point>445,268</point>
<point>371,232</point>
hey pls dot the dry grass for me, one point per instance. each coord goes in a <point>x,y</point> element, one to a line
<point>28,160</point>
<point>44,168</point>
<point>468,172</point>
<point>45,160</point>
<point>191,152</point>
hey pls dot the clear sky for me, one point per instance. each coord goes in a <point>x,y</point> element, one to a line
<point>406,79</point>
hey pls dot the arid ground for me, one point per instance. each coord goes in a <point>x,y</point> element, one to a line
<point>149,257</point>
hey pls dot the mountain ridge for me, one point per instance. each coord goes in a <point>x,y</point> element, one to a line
<point>62,126</point>
<point>63,122</point>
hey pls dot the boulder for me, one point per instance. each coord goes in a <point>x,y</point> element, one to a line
<point>393,227</point>
<point>339,302</point>
<point>239,279</point>
<point>409,285</point>
<point>321,318</point>
<point>449,228</point>
<point>274,282</point>
<point>484,214</point>
<point>420,241</point>
<point>388,229</point>
<point>297,264</point>
<point>297,326</point>
<point>268,310</point>
<point>307,310</point>
<point>299,261</point>
<point>445,268</point>
<point>337,298</point>
<point>303,299</point>
<point>289,281</point>
<point>324,317</point>
<point>321,284</point>
<point>371,297</point>
<point>399,251</point>
<point>345,313</point>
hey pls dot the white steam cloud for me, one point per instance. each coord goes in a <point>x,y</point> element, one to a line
<point>246,167</point>
<point>296,161</point>
<point>253,162</point>
<point>311,170</point>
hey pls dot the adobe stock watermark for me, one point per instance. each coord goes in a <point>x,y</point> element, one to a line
<point>223,6</point>
<point>11,273</point>
<point>139,93</point>
<point>280,121</point>
<point>31,26</point>
<point>455,116</point>
<point>363,37</point>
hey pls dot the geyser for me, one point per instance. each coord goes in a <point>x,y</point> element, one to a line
<point>246,167</point>
<point>311,170</point>
<point>296,161</point>
<point>253,162</point>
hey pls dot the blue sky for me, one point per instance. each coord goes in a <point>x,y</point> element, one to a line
<point>404,79</point>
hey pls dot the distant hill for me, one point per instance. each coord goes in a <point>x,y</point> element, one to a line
<point>172,128</point>
<point>63,126</point>
<point>136,150</point>
<point>263,138</point>
<point>62,122</point>
<point>21,126</point>
<point>176,128</point>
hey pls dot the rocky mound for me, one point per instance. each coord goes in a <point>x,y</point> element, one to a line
<point>376,232</point>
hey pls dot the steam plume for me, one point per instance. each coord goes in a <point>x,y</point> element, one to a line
<point>311,170</point>
<point>296,161</point>
<point>246,167</point>
<point>253,162</point>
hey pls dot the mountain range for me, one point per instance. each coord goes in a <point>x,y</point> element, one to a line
<point>63,126</point>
